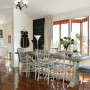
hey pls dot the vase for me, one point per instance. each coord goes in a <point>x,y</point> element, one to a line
<point>65,47</point>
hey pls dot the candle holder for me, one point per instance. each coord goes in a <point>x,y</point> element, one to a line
<point>37,38</point>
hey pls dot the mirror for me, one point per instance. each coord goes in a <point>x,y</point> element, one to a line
<point>6,32</point>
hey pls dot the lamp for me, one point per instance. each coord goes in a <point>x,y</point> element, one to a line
<point>21,3</point>
<point>37,38</point>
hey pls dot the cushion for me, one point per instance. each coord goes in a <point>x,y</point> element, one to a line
<point>84,69</point>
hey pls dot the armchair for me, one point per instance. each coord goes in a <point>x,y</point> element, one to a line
<point>24,60</point>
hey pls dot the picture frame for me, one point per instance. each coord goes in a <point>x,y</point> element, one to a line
<point>9,38</point>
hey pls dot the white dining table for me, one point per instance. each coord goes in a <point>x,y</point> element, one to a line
<point>76,59</point>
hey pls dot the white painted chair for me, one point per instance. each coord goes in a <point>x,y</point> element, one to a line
<point>19,50</point>
<point>61,69</point>
<point>45,65</point>
<point>23,59</point>
<point>32,64</point>
<point>84,70</point>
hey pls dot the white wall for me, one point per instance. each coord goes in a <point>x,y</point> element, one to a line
<point>7,30</point>
<point>72,14</point>
<point>20,20</point>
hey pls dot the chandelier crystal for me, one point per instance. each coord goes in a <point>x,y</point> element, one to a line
<point>21,3</point>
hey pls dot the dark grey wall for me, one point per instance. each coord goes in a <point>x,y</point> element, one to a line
<point>38,29</point>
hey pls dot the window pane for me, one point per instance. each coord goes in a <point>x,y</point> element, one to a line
<point>75,34</point>
<point>85,38</point>
<point>89,42</point>
<point>56,31</point>
<point>64,32</point>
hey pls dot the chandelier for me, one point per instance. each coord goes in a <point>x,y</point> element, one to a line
<point>21,3</point>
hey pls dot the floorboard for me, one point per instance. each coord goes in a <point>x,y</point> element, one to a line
<point>11,79</point>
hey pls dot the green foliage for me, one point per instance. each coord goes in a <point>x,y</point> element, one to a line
<point>78,36</point>
<point>76,41</point>
<point>66,43</point>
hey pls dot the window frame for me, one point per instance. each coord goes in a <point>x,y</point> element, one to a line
<point>70,29</point>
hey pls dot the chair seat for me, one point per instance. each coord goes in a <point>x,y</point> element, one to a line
<point>60,69</point>
<point>84,69</point>
<point>69,64</point>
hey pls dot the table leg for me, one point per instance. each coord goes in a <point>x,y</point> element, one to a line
<point>35,67</point>
<point>74,81</point>
<point>78,76</point>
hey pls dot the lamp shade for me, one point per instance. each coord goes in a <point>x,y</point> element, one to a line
<point>37,37</point>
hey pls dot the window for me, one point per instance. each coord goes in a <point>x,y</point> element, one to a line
<point>56,35</point>
<point>75,34</point>
<point>64,31</point>
<point>85,37</point>
<point>77,29</point>
<point>89,42</point>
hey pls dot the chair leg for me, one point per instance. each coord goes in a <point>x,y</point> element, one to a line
<point>35,73</point>
<point>48,75</point>
<point>38,76</point>
<point>83,76</point>
<point>69,74</point>
<point>82,79</point>
<point>35,67</point>
<point>53,77</point>
<point>27,70</point>
<point>63,81</point>
<point>48,78</point>
<point>20,67</point>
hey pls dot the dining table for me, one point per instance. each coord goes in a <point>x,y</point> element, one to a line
<point>76,59</point>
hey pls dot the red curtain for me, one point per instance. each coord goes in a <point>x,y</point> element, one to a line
<point>84,20</point>
<point>56,23</point>
<point>62,22</point>
<point>76,21</point>
<point>67,21</point>
<point>80,21</point>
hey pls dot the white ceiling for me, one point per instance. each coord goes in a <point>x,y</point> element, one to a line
<point>5,15</point>
<point>41,8</point>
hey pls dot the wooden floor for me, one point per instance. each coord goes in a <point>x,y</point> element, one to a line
<point>11,79</point>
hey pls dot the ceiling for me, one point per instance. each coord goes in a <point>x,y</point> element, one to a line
<point>5,15</point>
<point>41,8</point>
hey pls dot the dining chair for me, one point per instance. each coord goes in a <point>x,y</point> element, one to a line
<point>32,63</point>
<point>84,70</point>
<point>61,69</point>
<point>23,60</point>
<point>45,65</point>
<point>19,50</point>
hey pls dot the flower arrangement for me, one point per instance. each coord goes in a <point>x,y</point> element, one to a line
<point>66,42</point>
